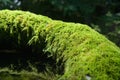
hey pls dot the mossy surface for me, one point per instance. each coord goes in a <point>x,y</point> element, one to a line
<point>76,50</point>
<point>85,52</point>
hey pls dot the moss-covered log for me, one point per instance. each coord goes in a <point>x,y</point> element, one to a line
<point>80,51</point>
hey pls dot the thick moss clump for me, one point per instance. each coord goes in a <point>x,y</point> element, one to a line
<point>84,51</point>
<point>75,50</point>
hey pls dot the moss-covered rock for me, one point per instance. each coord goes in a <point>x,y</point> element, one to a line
<point>80,51</point>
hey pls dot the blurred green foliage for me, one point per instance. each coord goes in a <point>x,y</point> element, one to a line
<point>9,4</point>
<point>102,15</point>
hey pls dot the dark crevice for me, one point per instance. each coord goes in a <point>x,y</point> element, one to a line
<point>21,55</point>
<point>22,58</point>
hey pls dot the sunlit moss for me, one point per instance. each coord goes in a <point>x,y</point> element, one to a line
<point>80,50</point>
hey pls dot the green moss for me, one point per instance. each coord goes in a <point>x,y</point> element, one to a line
<point>85,52</point>
<point>75,47</point>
